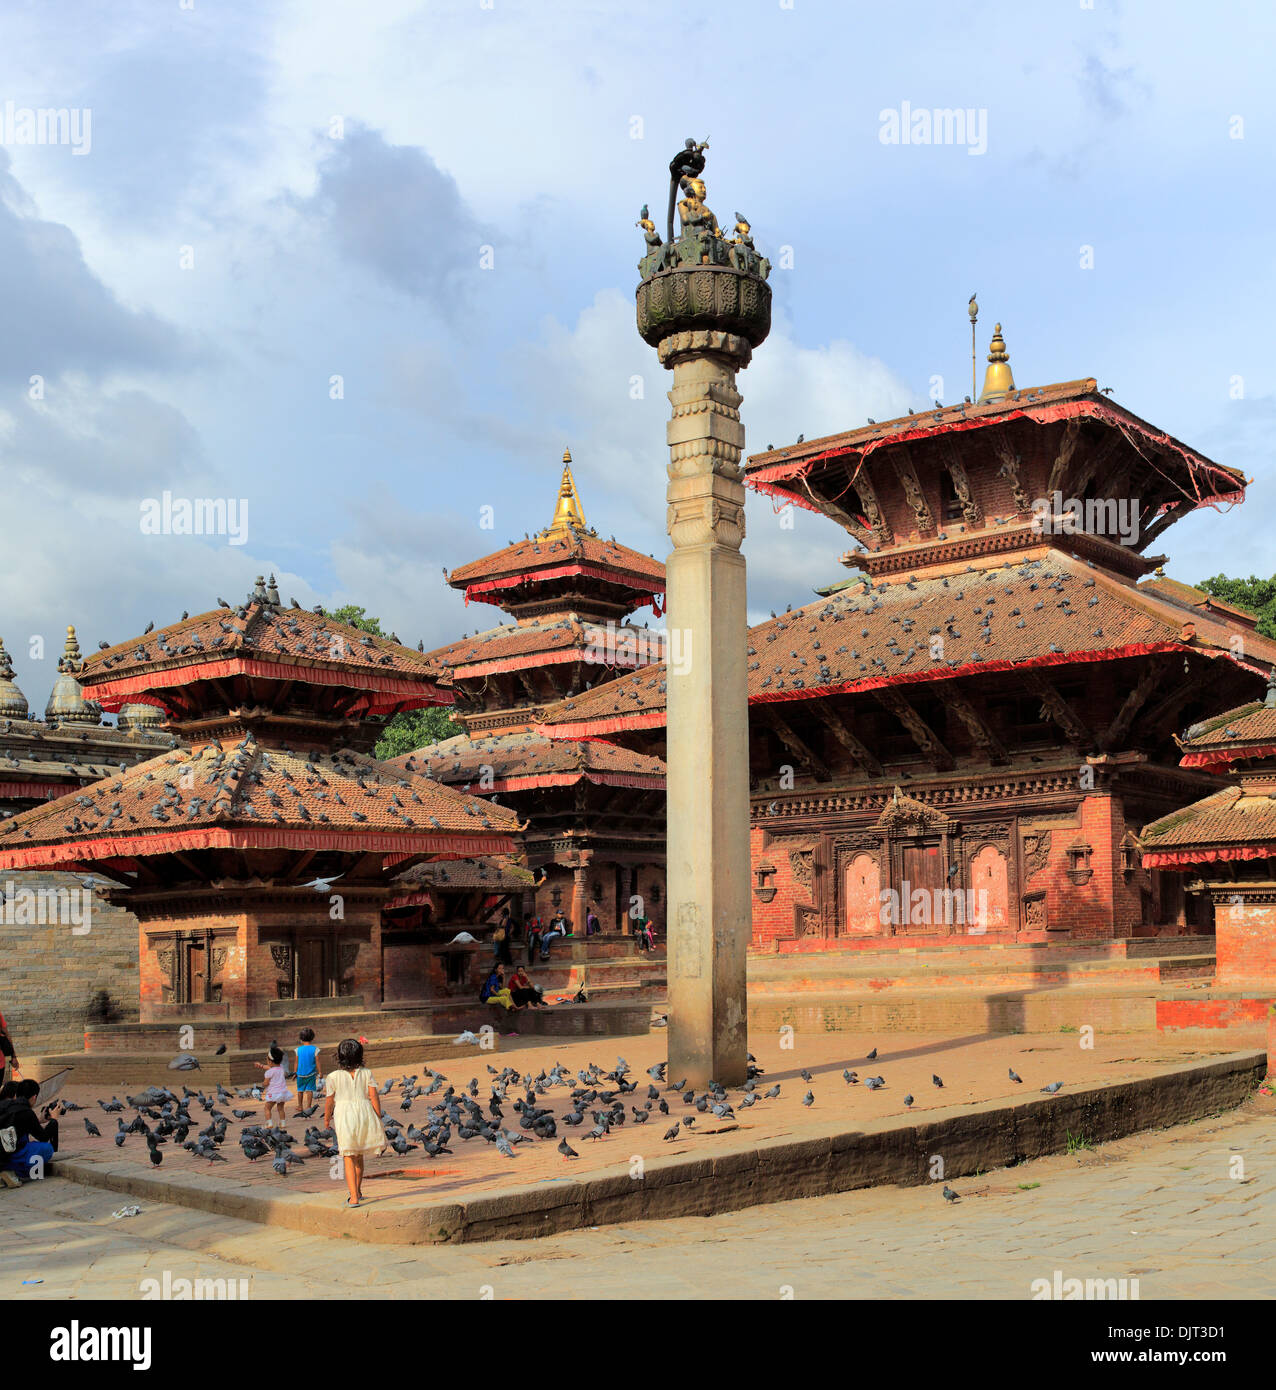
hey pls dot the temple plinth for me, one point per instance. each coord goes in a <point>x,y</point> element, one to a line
<point>704,304</point>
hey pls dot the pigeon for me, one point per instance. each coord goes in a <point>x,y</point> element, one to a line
<point>1013,1077</point>
<point>184,1062</point>
<point>936,1081</point>
<point>850,1078</point>
<point>772,1093</point>
<point>504,1146</point>
<point>908,1101</point>
<point>804,1074</point>
<point>566,1150</point>
<point>1052,1088</point>
<point>91,1128</point>
<point>809,1098</point>
<point>950,1195</point>
<point>872,1056</point>
<point>220,1050</point>
<point>673,1133</point>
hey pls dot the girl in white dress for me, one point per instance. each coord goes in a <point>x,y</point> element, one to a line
<point>354,1107</point>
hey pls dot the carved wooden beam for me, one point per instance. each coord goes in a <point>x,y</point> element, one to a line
<point>1165,711</point>
<point>907,475</point>
<point>1061,711</point>
<point>1067,447</point>
<point>1151,678</point>
<point>1094,464</point>
<point>1172,513</point>
<point>843,518</point>
<point>970,509</point>
<point>525,680</point>
<point>922,734</point>
<point>1010,464</point>
<point>863,485</point>
<point>987,741</point>
<point>839,726</point>
<point>796,745</point>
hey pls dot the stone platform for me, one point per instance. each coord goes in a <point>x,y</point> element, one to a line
<point>848,1137</point>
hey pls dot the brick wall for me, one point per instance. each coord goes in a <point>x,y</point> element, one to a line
<point>49,977</point>
<point>1245,942</point>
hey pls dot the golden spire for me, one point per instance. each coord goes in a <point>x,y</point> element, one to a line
<point>998,381</point>
<point>567,514</point>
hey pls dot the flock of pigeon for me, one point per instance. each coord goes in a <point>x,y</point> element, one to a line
<point>605,1100</point>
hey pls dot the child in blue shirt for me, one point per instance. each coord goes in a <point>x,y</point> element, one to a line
<point>307,1068</point>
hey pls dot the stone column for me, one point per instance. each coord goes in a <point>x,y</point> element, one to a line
<point>707,756</point>
<point>580,898</point>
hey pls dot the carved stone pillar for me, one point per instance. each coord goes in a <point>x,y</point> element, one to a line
<point>707,761</point>
<point>580,897</point>
<point>703,303</point>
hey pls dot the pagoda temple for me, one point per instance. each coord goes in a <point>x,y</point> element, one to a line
<point>594,813</point>
<point>257,856</point>
<point>988,706</point>
<point>72,745</point>
<point>1225,844</point>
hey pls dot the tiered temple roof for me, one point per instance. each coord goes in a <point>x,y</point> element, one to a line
<point>1045,609</point>
<point>1239,822</point>
<point>521,762</point>
<point>247,796</point>
<point>567,565</point>
<point>255,674</point>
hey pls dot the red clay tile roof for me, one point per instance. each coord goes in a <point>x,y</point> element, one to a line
<point>517,762</point>
<point>1051,610</point>
<point>546,643</point>
<point>1247,732</point>
<point>771,470</point>
<point>284,643</point>
<point>572,552</point>
<point>248,795</point>
<point>1173,591</point>
<point>1233,824</point>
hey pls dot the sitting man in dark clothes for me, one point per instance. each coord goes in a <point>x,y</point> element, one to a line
<point>36,1142</point>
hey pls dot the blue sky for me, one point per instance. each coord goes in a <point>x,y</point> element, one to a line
<point>331,173</point>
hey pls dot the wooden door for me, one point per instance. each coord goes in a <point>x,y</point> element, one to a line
<point>921,867</point>
<point>312,974</point>
<point>193,973</point>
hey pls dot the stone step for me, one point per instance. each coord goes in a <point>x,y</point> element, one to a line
<point>773,977</point>
<point>959,1013</point>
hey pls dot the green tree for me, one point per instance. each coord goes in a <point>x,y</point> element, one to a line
<point>414,728</point>
<point>1257,596</point>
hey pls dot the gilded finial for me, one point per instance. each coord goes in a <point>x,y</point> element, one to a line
<point>998,380</point>
<point>568,515</point>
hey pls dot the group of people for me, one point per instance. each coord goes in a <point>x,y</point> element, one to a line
<point>518,992</point>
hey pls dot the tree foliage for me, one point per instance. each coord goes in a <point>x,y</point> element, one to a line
<point>1257,596</point>
<point>414,728</point>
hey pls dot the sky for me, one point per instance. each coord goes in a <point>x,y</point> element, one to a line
<point>364,270</point>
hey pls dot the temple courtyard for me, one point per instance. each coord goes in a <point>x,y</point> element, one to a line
<point>1170,1210</point>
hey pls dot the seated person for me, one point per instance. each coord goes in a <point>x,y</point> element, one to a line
<point>37,1142</point>
<point>494,991</point>
<point>557,928</point>
<point>523,991</point>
